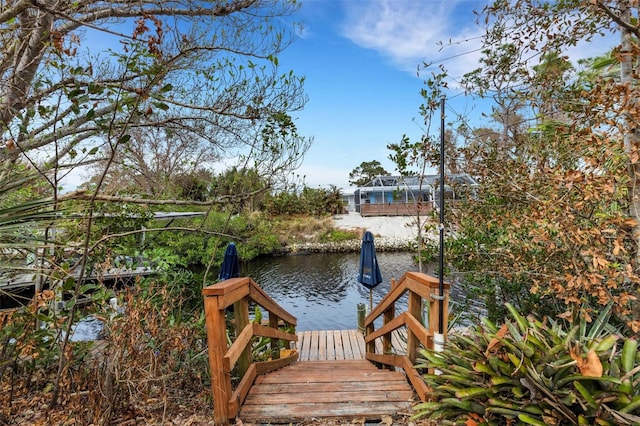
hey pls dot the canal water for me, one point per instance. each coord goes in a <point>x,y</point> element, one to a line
<point>322,290</point>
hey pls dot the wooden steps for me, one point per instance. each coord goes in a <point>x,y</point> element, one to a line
<point>323,390</point>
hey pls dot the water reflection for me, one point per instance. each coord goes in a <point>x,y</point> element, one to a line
<point>322,290</point>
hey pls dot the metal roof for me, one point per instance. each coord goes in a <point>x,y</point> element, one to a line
<point>414,181</point>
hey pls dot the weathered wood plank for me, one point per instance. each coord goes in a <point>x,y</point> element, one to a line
<point>305,345</point>
<point>346,344</point>
<point>361,345</point>
<point>313,353</point>
<point>274,364</point>
<point>238,348</point>
<point>241,391</point>
<point>330,395</point>
<point>331,348</point>
<point>395,385</point>
<point>299,413</point>
<point>360,364</point>
<point>353,339</point>
<point>332,377</point>
<point>322,345</point>
<point>416,379</point>
<point>323,390</point>
<point>217,347</point>
<point>392,325</point>
<point>337,341</point>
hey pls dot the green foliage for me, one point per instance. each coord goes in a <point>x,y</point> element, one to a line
<point>204,244</point>
<point>259,238</point>
<point>339,236</point>
<point>309,201</point>
<point>19,184</point>
<point>366,172</point>
<point>243,188</point>
<point>194,185</point>
<point>532,372</point>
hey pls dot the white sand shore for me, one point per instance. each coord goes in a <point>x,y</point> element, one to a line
<point>388,227</point>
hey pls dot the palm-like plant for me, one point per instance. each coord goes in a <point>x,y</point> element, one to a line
<point>531,372</point>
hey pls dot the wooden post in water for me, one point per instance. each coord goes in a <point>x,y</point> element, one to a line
<point>362,313</point>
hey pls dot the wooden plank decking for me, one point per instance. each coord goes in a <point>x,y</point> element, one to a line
<point>322,345</point>
<point>331,381</point>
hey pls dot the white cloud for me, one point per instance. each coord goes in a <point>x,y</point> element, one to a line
<point>410,32</point>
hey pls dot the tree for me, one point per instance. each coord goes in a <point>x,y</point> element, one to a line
<point>244,188</point>
<point>366,172</point>
<point>153,161</point>
<point>207,71</point>
<point>195,81</point>
<point>554,225</point>
<point>64,105</point>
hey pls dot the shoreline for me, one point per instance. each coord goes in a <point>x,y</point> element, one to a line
<point>383,244</point>
<point>391,234</point>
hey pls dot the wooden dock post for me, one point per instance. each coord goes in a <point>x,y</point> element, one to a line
<point>225,357</point>
<point>216,338</point>
<point>362,313</point>
<point>420,287</point>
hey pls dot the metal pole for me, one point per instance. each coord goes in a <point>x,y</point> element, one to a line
<point>371,300</point>
<point>441,226</point>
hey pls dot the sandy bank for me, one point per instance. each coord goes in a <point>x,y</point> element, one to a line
<point>385,227</point>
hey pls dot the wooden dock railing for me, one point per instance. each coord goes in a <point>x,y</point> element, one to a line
<point>239,292</point>
<point>420,287</point>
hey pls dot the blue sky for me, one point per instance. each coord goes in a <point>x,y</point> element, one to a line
<point>360,59</point>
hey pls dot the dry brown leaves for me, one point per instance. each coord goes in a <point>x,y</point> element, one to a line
<point>591,366</point>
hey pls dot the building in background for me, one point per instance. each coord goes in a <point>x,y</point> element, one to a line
<point>404,195</point>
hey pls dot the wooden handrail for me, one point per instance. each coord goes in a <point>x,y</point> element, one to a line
<point>420,288</point>
<point>239,292</point>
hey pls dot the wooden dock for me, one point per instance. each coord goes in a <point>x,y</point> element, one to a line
<point>331,375</point>
<point>19,290</point>
<point>327,345</point>
<point>332,380</point>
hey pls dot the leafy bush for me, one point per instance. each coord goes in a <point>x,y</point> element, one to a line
<point>531,372</point>
<point>339,236</point>
<point>308,201</point>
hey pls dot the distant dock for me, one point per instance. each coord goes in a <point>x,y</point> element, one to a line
<point>19,289</point>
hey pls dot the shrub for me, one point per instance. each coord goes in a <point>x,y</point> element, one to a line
<point>531,372</point>
<point>151,359</point>
<point>339,236</point>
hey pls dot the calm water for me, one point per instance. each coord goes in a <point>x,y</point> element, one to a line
<point>322,290</point>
